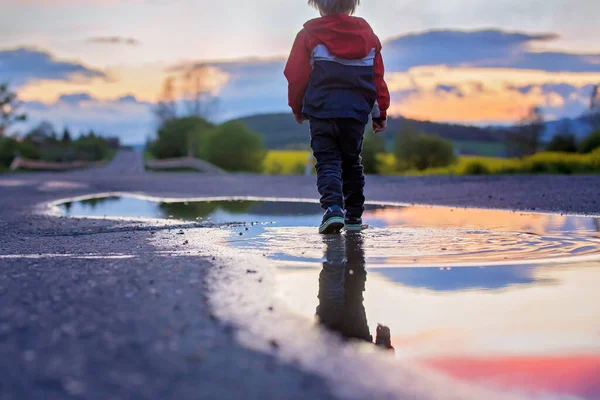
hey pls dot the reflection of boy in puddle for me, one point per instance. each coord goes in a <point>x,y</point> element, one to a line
<point>341,286</point>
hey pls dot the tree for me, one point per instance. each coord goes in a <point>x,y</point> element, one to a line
<point>91,147</point>
<point>193,99</point>
<point>66,137</point>
<point>421,151</point>
<point>590,143</point>
<point>9,109</point>
<point>166,108</point>
<point>373,145</point>
<point>196,92</point>
<point>593,116</point>
<point>233,147</point>
<point>564,141</point>
<point>524,139</point>
<point>181,137</point>
<point>42,134</point>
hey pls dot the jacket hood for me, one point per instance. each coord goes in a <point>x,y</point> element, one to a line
<point>345,36</point>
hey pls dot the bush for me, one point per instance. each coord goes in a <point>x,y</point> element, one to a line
<point>590,143</point>
<point>594,159</point>
<point>556,163</point>
<point>563,143</point>
<point>372,146</point>
<point>87,148</point>
<point>421,151</point>
<point>474,167</point>
<point>29,150</point>
<point>181,136</point>
<point>233,147</point>
<point>8,148</point>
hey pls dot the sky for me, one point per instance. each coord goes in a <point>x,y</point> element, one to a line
<point>101,63</point>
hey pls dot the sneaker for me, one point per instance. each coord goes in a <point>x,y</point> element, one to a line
<point>333,221</point>
<point>353,224</point>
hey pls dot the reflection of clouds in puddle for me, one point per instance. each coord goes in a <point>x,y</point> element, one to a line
<point>536,319</point>
<point>570,375</point>
<point>528,326</point>
<point>467,321</point>
<point>540,224</point>
<point>428,246</point>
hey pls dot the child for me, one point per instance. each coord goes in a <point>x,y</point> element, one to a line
<point>335,75</point>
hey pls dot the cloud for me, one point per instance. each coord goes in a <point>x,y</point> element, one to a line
<point>126,117</point>
<point>481,102</point>
<point>558,100</point>
<point>257,85</point>
<point>456,76</point>
<point>114,40</point>
<point>452,89</point>
<point>75,98</point>
<point>483,48</point>
<point>25,65</point>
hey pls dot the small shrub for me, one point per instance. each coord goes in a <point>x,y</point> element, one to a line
<point>475,167</point>
<point>8,148</point>
<point>556,163</point>
<point>420,151</point>
<point>590,142</point>
<point>594,160</point>
<point>563,143</point>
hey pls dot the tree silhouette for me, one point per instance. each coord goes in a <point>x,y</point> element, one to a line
<point>9,109</point>
<point>66,137</point>
<point>524,139</point>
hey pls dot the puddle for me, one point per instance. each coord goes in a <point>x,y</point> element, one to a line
<point>498,298</point>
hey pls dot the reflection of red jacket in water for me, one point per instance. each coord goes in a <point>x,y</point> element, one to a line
<point>341,286</point>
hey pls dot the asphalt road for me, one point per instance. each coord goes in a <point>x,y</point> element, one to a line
<point>89,309</point>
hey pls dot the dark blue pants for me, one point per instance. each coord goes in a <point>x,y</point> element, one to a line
<point>337,145</point>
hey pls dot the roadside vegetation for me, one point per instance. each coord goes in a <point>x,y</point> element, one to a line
<point>272,144</point>
<point>44,142</point>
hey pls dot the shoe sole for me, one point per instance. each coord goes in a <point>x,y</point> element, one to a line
<point>332,225</point>
<point>354,227</point>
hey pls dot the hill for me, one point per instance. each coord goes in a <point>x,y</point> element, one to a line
<point>280,131</point>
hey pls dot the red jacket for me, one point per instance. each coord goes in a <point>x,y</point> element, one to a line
<point>335,70</point>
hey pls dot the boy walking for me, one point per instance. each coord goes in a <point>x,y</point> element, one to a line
<point>335,75</point>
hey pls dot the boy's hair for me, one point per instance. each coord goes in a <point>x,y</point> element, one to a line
<point>335,6</point>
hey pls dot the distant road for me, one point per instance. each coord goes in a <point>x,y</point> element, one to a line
<point>126,162</point>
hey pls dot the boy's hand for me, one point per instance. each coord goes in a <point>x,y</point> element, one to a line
<point>379,125</point>
<point>300,118</point>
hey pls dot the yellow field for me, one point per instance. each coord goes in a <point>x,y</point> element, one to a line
<point>286,162</point>
<point>294,162</point>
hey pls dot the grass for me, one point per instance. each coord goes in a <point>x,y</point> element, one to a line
<point>294,162</point>
<point>540,163</point>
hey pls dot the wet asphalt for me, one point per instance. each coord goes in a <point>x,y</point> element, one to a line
<point>90,309</point>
